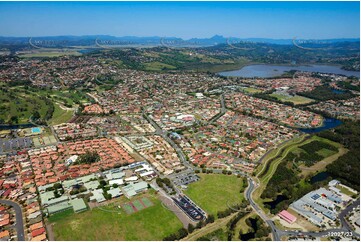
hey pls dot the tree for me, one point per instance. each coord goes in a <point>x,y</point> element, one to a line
<point>14,120</point>
<point>36,115</point>
<point>102,183</point>
<point>182,232</point>
<point>210,218</point>
<point>57,186</point>
<point>88,158</point>
<point>190,228</point>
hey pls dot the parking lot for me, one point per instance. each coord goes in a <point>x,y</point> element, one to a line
<point>185,179</point>
<point>7,145</point>
<point>192,210</point>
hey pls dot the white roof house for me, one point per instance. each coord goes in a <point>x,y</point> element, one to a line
<point>115,192</point>
<point>116,181</point>
<point>71,160</point>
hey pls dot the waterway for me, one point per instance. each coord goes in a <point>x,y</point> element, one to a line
<point>328,123</point>
<point>266,71</point>
<point>275,202</point>
<point>319,177</point>
<point>250,235</point>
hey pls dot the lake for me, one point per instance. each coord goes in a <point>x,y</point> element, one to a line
<point>328,123</point>
<point>337,91</point>
<point>266,71</point>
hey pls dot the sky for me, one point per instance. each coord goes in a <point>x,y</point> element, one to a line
<point>277,20</point>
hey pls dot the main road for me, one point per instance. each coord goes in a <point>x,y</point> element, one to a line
<point>164,134</point>
<point>259,211</point>
<point>19,218</point>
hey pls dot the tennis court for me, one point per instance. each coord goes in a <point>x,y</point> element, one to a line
<point>138,205</point>
<point>147,203</point>
<point>128,208</point>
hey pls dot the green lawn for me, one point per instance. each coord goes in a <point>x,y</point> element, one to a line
<point>252,90</point>
<point>60,115</point>
<point>346,191</point>
<point>20,103</point>
<point>326,152</point>
<point>153,223</point>
<point>213,192</point>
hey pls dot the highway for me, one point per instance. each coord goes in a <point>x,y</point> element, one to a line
<point>19,218</point>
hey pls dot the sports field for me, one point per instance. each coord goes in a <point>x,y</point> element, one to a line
<point>252,90</point>
<point>151,223</point>
<point>214,191</point>
<point>295,99</point>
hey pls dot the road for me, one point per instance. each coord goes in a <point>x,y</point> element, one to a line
<point>277,233</point>
<point>19,218</point>
<point>222,111</point>
<point>259,211</point>
<point>165,136</point>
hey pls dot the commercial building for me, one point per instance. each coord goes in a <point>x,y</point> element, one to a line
<point>289,218</point>
<point>318,205</point>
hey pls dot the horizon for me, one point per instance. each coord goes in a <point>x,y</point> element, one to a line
<point>186,39</point>
<point>186,20</point>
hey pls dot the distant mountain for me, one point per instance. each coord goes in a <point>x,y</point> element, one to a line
<point>93,40</point>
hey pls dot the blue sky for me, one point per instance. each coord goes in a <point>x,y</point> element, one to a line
<point>319,20</point>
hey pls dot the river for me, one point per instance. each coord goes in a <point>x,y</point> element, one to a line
<point>266,71</point>
<point>16,126</point>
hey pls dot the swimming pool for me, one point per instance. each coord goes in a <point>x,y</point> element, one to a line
<point>36,130</point>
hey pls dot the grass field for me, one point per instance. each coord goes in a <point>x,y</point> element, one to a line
<point>326,152</point>
<point>20,103</point>
<point>295,99</point>
<point>152,223</point>
<point>346,191</point>
<point>60,115</point>
<point>213,192</point>
<point>251,90</point>
<point>158,66</point>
